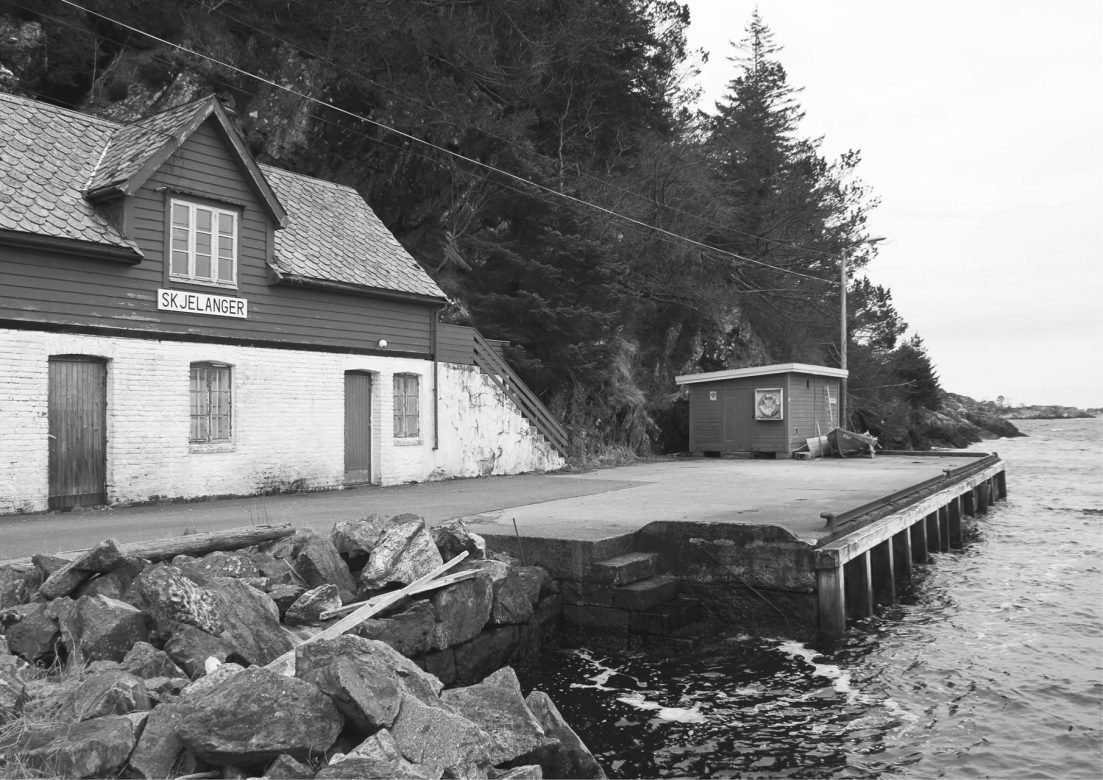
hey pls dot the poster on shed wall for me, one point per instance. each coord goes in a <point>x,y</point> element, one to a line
<point>767,403</point>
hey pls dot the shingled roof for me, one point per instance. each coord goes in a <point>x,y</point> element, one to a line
<point>46,156</point>
<point>55,161</point>
<point>334,236</point>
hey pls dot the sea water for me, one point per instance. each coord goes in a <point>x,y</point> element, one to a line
<point>991,666</point>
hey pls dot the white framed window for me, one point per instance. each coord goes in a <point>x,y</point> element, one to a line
<point>203,244</point>
<point>211,403</point>
<point>406,390</point>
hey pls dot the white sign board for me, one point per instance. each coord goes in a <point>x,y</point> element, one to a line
<point>201,303</point>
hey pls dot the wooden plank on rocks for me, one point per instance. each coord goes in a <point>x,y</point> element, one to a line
<point>192,544</point>
<point>450,579</point>
<point>285,664</point>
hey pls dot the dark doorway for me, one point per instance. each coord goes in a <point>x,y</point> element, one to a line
<point>77,410</point>
<point>357,427</point>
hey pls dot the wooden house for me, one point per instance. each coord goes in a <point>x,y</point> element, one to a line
<point>177,321</point>
<point>768,410</point>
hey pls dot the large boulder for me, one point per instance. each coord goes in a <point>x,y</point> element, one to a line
<point>209,683</point>
<point>569,757</point>
<point>438,736</point>
<point>497,706</point>
<point>461,610</point>
<point>106,693</point>
<point>410,632</point>
<point>367,693</point>
<point>309,606</point>
<point>102,557</point>
<point>146,661</point>
<point>369,654</point>
<point>31,631</point>
<point>251,621</point>
<point>355,539</point>
<point>259,715</point>
<point>189,648</point>
<point>14,588</point>
<point>172,599</point>
<point>93,748</point>
<point>287,768</point>
<point>116,582</point>
<point>404,553</point>
<point>317,561</point>
<point>100,628</point>
<point>378,757</point>
<point>454,537</point>
<point>159,747</point>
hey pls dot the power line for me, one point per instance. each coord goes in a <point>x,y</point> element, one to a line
<point>457,155</point>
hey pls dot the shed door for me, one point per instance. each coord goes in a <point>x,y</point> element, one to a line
<point>357,427</point>
<point>77,412</point>
<point>738,418</point>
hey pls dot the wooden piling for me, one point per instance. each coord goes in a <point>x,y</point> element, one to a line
<point>969,502</point>
<point>1001,483</point>
<point>984,491</point>
<point>953,511</point>
<point>934,535</point>
<point>902,555</point>
<point>918,534</point>
<point>883,573</point>
<point>944,528</point>
<point>831,601</point>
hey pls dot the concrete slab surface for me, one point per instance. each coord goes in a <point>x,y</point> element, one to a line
<point>595,505</point>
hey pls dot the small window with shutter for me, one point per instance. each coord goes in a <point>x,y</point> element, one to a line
<point>406,390</point>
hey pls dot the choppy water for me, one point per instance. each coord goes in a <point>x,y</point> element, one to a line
<point>991,667</point>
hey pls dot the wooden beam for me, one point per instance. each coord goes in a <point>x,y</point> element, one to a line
<point>934,533</point>
<point>450,579</point>
<point>902,555</point>
<point>193,544</point>
<point>918,533</point>
<point>883,573</point>
<point>285,664</point>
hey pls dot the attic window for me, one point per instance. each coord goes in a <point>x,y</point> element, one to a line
<point>204,244</point>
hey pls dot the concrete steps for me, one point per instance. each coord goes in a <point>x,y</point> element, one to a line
<point>626,596</point>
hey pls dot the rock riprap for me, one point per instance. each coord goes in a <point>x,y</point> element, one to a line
<point>112,665</point>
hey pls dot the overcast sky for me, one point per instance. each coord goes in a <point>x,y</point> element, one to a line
<point>980,124</point>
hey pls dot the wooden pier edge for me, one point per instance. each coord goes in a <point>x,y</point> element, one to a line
<point>936,518</point>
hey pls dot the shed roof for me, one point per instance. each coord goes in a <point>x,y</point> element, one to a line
<point>777,368</point>
<point>54,161</point>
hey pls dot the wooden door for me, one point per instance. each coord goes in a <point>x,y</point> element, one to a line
<point>77,412</point>
<point>357,427</point>
<point>738,418</point>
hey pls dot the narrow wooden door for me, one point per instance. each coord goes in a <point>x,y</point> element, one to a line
<point>357,427</point>
<point>738,418</point>
<point>77,412</point>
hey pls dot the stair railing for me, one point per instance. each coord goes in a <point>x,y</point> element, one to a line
<point>531,407</point>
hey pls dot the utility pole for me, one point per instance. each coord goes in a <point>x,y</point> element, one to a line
<point>842,327</point>
<point>842,339</point>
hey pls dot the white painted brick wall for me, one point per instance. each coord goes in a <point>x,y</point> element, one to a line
<point>288,425</point>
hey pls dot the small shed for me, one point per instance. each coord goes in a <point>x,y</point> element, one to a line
<point>766,409</point>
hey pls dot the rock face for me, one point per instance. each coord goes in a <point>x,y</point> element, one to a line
<point>405,552</point>
<point>259,715</point>
<point>251,621</point>
<point>12,694</point>
<point>32,631</point>
<point>318,563</point>
<point>454,537</point>
<point>378,756</point>
<point>367,693</point>
<point>103,557</point>
<point>410,632</point>
<point>13,587</point>
<point>369,654</point>
<point>355,539</point>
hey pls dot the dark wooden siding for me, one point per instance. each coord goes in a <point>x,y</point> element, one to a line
<point>71,290</point>
<point>456,344</point>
